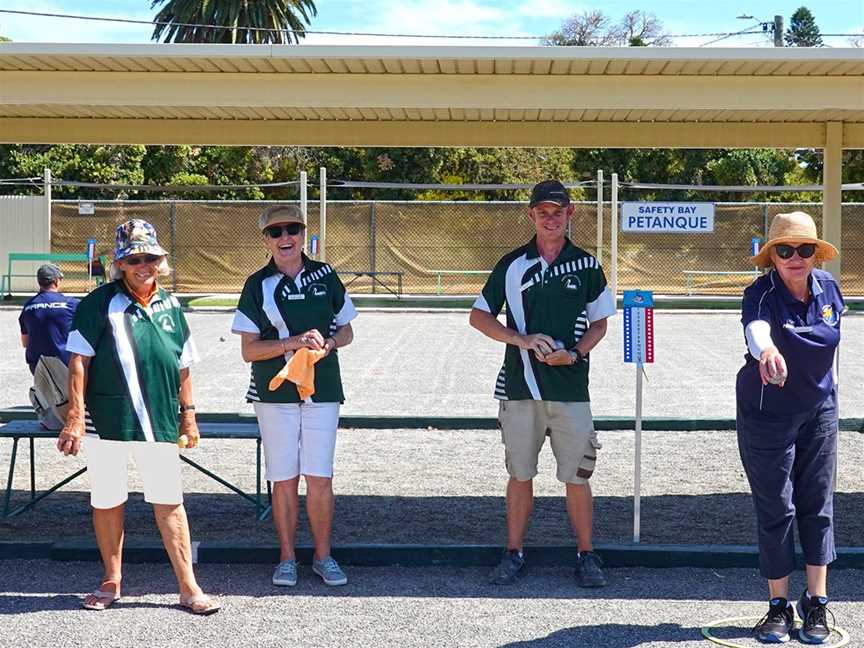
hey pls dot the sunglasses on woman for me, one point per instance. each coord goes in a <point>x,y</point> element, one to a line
<point>805,250</point>
<point>275,231</point>
<point>144,258</point>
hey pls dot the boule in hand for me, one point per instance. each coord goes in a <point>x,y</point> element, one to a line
<point>778,378</point>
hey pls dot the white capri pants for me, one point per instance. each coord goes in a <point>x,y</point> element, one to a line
<point>298,438</point>
<point>108,470</point>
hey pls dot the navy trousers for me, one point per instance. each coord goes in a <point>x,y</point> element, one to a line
<point>790,463</point>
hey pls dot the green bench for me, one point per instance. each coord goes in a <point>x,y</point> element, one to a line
<point>31,430</point>
<point>45,257</point>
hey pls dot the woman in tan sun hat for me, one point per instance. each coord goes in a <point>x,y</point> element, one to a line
<point>787,419</point>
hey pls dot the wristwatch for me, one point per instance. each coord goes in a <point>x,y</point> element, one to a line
<point>187,408</point>
<point>576,356</point>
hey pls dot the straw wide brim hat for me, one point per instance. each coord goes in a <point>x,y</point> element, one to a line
<point>793,228</point>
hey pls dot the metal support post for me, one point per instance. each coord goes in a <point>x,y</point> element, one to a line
<point>322,227</point>
<point>599,252</point>
<point>613,225</point>
<point>174,246</point>
<point>373,234</point>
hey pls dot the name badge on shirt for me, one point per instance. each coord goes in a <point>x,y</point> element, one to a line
<point>798,329</point>
<point>291,296</point>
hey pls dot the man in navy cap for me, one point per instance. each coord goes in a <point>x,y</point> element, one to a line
<point>557,304</point>
<point>45,322</point>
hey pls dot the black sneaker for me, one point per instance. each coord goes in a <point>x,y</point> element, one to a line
<point>814,615</point>
<point>508,569</point>
<point>589,570</point>
<point>775,626</point>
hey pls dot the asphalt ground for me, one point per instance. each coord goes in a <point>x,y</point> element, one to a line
<point>422,607</point>
<point>434,364</point>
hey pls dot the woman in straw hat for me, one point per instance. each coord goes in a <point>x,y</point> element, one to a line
<point>296,308</point>
<point>787,419</point>
<point>130,352</point>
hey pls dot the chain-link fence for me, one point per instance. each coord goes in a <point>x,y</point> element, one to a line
<point>440,247</point>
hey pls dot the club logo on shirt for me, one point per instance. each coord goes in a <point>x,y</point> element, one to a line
<point>166,323</point>
<point>829,315</point>
<point>571,282</point>
<point>317,290</point>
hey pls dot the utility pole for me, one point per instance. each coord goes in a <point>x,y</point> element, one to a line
<point>778,31</point>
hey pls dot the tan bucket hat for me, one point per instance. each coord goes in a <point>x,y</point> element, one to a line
<point>279,214</point>
<point>793,228</point>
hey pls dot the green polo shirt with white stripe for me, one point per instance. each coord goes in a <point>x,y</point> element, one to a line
<point>560,300</point>
<point>274,306</point>
<point>136,354</point>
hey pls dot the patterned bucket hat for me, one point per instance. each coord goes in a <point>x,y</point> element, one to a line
<point>136,237</point>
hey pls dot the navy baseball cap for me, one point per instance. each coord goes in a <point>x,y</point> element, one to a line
<point>48,274</point>
<point>549,191</point>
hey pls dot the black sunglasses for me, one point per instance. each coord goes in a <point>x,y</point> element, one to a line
<point>275,231</point>
<point>146,258</point>
<point>805,250</point>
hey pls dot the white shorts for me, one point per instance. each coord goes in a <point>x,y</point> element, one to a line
<point>108,469</point>
<point>299,438</point>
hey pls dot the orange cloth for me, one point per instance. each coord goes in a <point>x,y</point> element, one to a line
<point>300,370</point>
<point>144,300</point>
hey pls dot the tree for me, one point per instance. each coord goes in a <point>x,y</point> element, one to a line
<point>98,164</point>
<point>596,29</point>
<point>803,31</point>
<point>642,29</point>
<point>239,21</point>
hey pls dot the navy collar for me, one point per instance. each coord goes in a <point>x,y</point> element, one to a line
<point>815,288</point>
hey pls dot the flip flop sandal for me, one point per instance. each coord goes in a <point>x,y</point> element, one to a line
<point>189,604</point>
<point>106,600</point>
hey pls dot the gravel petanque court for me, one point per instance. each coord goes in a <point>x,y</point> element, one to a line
<point>447,486</point>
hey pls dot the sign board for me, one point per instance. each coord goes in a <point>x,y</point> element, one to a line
<point>638,326</point>
<point>86,209</point>
<point>91,249</point>
<point>667,217</point>
<point>313,245</point>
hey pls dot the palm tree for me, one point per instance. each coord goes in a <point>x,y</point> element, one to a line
<point>232,21</point>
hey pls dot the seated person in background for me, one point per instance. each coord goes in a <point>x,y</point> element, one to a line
<point>45,322</point>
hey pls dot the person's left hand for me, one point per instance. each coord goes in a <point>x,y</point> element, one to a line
<point>558,358</point>
<point>329,345</point>
<point>189,427</point>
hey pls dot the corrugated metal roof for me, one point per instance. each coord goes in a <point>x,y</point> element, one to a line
<point>328,59</point>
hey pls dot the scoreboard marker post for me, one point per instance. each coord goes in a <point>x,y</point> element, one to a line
<point>638,349</point>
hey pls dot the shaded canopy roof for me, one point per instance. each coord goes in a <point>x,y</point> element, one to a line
<point>430,96</point>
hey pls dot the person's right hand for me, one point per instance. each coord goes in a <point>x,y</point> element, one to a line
<point>772,366</point>
<point>69,441</point>
<point>540,344</point>
<point>312,339</point>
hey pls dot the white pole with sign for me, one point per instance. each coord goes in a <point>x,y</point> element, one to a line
<point>638,349</point>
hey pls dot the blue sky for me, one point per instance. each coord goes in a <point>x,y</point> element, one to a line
<point>455,17</point>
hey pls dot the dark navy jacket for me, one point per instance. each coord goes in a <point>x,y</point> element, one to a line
<point>46,319</point>
<point>806,334</point>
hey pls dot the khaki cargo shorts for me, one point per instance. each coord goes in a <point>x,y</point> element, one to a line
<point>525,425</point>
